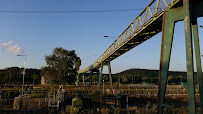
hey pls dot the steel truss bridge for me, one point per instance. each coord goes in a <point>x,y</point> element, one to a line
<point>157,16</point>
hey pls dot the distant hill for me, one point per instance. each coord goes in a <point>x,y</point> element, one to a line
<point>151,76</point>
<point>147,73</point>
<point>136,75</point>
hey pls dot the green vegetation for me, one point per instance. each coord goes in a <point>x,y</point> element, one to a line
<point>150,76</point>
<point>139,76</point>
<point>63,64</point>
<point>61,68</point>
<point>14,75</point>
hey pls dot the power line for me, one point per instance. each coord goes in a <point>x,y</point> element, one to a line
<point>88,11</point>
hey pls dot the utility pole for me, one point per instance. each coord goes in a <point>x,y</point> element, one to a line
<point>23,72</point>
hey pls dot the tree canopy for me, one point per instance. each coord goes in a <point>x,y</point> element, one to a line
<point>61,65</point>
<point>14,75</point>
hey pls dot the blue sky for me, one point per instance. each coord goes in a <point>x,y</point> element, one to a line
<point>39,33</point>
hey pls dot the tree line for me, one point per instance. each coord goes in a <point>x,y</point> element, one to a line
<point>14,75</point>
<point>134,76</point>
<point>62,66</point>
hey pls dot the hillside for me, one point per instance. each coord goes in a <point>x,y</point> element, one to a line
<point>151,76</point>
<point>147,73</point>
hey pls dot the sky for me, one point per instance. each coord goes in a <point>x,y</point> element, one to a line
<point>37,34</point>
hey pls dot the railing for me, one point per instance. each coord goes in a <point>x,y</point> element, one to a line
<point>154,8</point>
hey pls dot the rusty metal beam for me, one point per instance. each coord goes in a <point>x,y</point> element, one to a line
<point>189,56</point>
<point>167,39</point>
<point>198,60</point>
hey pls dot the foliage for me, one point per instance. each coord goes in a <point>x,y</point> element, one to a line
<point>61,65</point>
<point>87,78</point>
<point>13,75</point>
<point>94,78</point>
<point>32,75</point>
<point>180,77</point>
<point>105,78</point>
<point>151,76</point>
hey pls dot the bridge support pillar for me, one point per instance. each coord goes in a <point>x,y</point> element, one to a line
<point>166,45</point>
<point>83,79</point>
<point>189,56</point>
<point>98,75</point>
<point>110,78</point>
<point>198,61</point>
<point>91,74</point>
<point>77,80</point>
<point>169,19</point>
<point>99,84</point>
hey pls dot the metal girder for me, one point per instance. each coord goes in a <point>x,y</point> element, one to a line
<point>135,30</point>
<point>189,56</point>
<point>124,49</point>
<point>198,60</point>
<point>166,45</point>
<point>180,13</point>
<point>197,10</point>
<point>141,30</point>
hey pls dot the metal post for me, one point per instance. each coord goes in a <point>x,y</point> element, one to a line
<point>99,84</point>
<point>103,86</point>
<point>189,57</point>
<point>34,80</point>
<point>167,39</point>
<point>98,75</point>
<point>119,81</point>
<point>198,60</point>
<point>83,79</point>
<point>110,78</point>
<point>23,72</point>
<point>77,80</point>
<point>23,75</point>
<point>91,73</point>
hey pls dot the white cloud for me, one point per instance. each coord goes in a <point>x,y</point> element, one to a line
<point>6,44</point>
<point>12,48</point>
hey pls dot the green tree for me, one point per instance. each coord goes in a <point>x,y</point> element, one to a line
<point>181,78</point>
<point>61,65</point>
<point>145,79</point>
<point>2,76</point>
<point>124,79</point>
<point>47,73</point>
<point>94,78</point>
<point>12,74</point>
<point>105,78</point>
<point>87,78</point>
<point>169,79</point>
<point>35,77</point>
